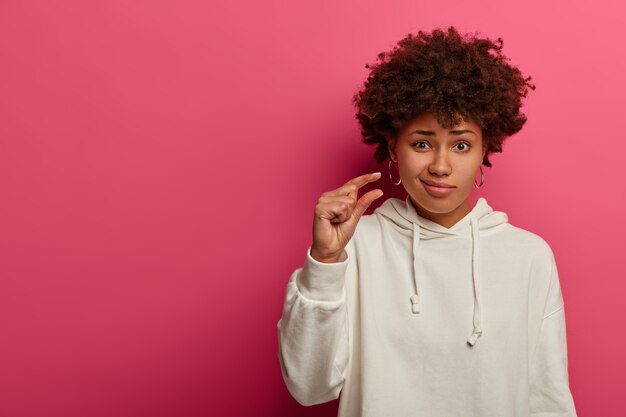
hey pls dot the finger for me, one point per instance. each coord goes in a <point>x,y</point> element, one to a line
<point>335,212</point>
<point>352,186</point>
<point>364,202</point>
<point>325,199</point>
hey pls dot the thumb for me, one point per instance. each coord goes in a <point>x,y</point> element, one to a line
<point>364,202</point>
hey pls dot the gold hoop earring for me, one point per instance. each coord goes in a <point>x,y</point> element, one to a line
<point>392,181</point>
<point>482,178</point>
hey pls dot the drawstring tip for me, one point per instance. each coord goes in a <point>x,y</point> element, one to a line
<point>415,301</point>
<point>474,337</point>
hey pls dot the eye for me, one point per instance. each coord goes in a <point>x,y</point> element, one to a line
<point>418,143</point>
<point>464,146</point>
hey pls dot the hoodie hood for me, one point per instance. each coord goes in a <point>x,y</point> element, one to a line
<point>481,217</point>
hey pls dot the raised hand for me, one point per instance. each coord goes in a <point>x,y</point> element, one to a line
<point>336,215</point>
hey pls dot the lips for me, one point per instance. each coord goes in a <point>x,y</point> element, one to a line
<point>437,191</point>
<point>437,184</point>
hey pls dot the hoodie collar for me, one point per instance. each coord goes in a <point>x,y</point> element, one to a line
<point>480,218</point>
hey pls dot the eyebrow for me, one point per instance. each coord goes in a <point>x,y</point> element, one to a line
<point>431,133</point>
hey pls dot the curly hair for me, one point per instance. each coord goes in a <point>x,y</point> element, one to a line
<point>449,75</point>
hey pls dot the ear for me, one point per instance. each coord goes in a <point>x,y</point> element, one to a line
<point>391,148</point>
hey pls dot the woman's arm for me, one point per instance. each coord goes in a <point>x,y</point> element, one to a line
<point>549,381</point>
<point>312,332</point>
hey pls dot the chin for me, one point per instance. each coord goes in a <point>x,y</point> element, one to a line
<point>438,205</point>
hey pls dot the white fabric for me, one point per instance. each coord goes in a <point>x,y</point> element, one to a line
<point>417,319</point>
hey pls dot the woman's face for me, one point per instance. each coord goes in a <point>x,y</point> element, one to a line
<point>425,151</point>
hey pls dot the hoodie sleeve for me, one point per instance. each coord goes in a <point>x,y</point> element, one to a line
<point>312,331</point>
<point>549,382</point>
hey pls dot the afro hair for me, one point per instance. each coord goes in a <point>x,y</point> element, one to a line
<point>449,75</point>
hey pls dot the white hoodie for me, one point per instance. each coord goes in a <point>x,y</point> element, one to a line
<point>419,320</point>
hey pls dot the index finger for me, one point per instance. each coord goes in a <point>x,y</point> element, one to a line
<point>360,181</point>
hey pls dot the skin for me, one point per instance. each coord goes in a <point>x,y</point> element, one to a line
<point>443,155</point>
<point>337,213</point>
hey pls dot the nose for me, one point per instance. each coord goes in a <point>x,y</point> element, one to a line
<point>440,165</point>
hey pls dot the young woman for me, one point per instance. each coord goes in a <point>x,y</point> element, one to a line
<point>429,307</point>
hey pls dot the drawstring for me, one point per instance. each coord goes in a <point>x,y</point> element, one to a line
<point>415,298</point>
<point>477,330</point>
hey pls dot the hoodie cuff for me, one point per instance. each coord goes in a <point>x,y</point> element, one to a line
<point>322,281</point>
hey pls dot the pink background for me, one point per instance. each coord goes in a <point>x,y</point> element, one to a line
<point>160,162</point>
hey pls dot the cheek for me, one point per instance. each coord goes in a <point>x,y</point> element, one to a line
<point>412,163</point>
<point>468,172</point>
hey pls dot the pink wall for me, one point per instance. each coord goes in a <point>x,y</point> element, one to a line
<point>160,161</point>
